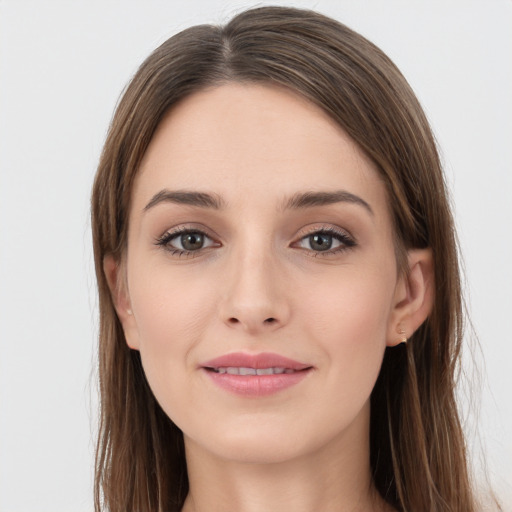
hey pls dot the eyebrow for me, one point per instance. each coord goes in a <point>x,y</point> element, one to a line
<point>199,199</point>
<point>310,199</point>
<point>297,201</point>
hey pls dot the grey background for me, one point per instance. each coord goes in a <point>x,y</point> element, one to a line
<point>63,65</point>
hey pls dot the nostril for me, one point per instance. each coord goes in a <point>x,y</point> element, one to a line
<point>236,321</point>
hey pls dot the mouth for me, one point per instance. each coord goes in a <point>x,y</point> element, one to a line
<point>234,370</point>
<point>255,375</point>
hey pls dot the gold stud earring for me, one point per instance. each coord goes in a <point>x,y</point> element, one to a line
<point>401,331</point>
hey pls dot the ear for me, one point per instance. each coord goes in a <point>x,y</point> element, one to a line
<point>116,279</point>
<point>414,297</point>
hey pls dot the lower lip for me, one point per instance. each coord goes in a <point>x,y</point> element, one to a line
<point>256,385</point>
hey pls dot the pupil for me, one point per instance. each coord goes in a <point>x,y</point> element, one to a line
<point>320,242</point>
<point>192,241</point>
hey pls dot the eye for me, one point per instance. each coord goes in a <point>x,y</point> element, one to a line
<point>326,241</point>
<point>185,241</point>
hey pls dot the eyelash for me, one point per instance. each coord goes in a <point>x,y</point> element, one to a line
<point>347,242</point>
<point>165,240</point>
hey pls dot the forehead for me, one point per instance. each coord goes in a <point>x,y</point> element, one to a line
<point>237,139</point>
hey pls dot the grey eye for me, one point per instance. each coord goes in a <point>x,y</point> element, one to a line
<point>320,241</point>
<point>189,241</point>
<point>192,241</point>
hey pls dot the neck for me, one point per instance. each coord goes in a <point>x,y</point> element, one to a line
<point>336,477</point>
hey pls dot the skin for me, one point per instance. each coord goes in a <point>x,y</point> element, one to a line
<point>259,284</point>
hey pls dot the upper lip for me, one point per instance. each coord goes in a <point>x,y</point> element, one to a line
<point>257,361</point>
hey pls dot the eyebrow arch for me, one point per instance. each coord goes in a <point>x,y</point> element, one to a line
<point>199,199</point>
<point>309,199</point>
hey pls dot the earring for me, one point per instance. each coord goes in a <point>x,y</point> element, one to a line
<point>129,312</point>
<point>400,329</point>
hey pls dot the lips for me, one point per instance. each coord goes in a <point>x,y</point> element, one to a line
<point>234,370</point>
<point>255,374</point>
<point>257,361</point>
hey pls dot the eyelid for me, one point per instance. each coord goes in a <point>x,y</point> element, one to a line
<point>324,228</point>
<point>187,227</point>
<point>347,240</point>
<point>170,234</point>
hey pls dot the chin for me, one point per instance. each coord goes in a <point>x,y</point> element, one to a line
<point>257,441</point>
<point>254,449</point>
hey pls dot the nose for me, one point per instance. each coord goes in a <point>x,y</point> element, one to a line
<point>255,298</point>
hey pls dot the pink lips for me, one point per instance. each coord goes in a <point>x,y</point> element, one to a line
<point>255,374</point>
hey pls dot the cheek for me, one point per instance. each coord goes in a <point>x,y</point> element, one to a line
<point>351,303</point>
<point>172,312</point>
<point>348,317</point>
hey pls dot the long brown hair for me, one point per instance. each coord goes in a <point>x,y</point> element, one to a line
<point>417,448</point>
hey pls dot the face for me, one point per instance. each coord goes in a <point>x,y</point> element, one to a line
<point>260,276</point>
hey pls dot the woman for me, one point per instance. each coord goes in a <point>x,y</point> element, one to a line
<point>280,304</point>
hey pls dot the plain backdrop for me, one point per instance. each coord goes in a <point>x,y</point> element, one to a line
<point>63,65</point>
